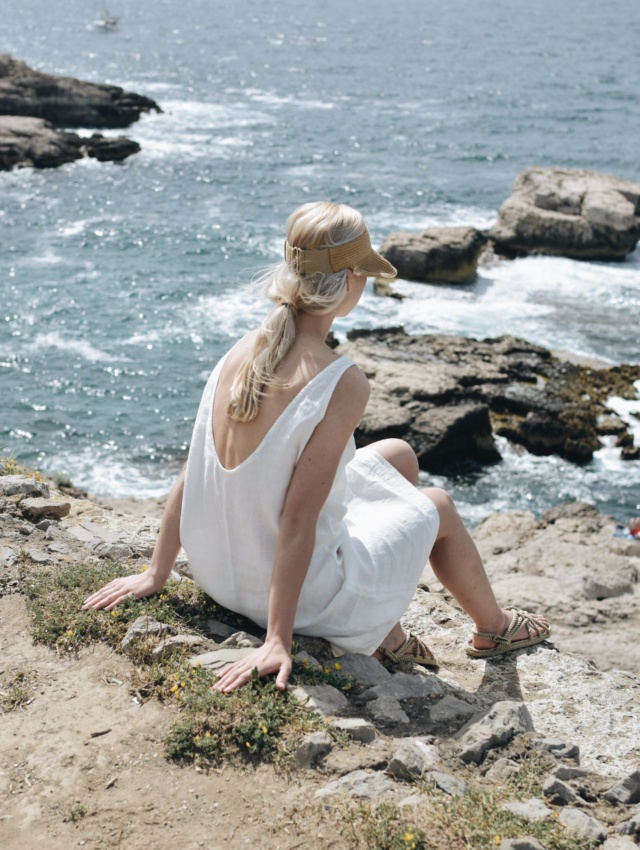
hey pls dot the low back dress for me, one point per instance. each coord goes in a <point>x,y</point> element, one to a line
<point>373,537</point>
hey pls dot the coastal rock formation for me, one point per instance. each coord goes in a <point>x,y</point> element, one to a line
<point>449,395</point>
<point>35,142</point>
<point>65,101</point>
<point>570,212</point>
<point>437,255</point>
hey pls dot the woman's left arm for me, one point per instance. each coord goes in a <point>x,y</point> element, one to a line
<point>308,490</point>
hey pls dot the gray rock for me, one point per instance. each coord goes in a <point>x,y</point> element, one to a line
<point>366,670</point>
<point>437,254</point>
<point>620,842</point>
<point>502,769</point>
<point>495,729</point>
<point>241,640</point>
<point>40,557</point>
<point>449,784</point>
<point>66,101</point>
<point>570,212</point>
<point>565,771</point>
<point>218,630</point>
<point>114,551</point>
<point>218,659</point>
<point>405,686</point>
<point>37,508</point>
<point>532,810</point>
<point>141,628</point>
<point>451,708</point>
<point>359,783</point>
<point>356,728</point>
<point>59,548</point>
<point>12,485</point>
<point>559,749</point>
<point>582,824</point>
<point>626,791</point>
<point>631,826</point>
<point>84,535</point>
<point>526,842</point>
<point>323,699</point>
<point>412,800</point>
<point>558,792</point>
<point>387,710</point>
<point>8,556</point>
<point>413,759</point>
<point>307,660</point>
<point>176,643</point>
<point>312,748</point>
<point>44,524</point>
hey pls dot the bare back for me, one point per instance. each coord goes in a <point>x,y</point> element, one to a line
<point>236,441</point>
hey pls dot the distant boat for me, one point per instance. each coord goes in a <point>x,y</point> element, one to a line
<point>106,22</point>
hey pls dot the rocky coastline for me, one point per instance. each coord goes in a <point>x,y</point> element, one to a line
<point>35,107</point>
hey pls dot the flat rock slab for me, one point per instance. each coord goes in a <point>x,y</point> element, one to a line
<point>387,710</point>
<point>176,643</point>
<point>365,669</point>
<point>12,485</point>
<point>451,708</point>
<point>359,783</point>
<point>582,824</point>
<point>449,784</point>
<point>532,810</point>
<point>323,699</point>
<point>356,728</point>
<point>626,791</point>
<point>40,508</point>
<point>218,659</point>
<point>142,628</point>
<point>405,686</point>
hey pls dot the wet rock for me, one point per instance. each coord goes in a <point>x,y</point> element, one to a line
<point>498,726</point>
<point>387,710</point>
<point>66,101</point>
<point>11,485</point>
<point>140,629</point>
<point>558,792</point>
<point>413,759</point>
<point>449,784</point>
<point>437,254</point>
<point>356,728</point>
<point>312,748</point>
<point>359,783</point>
<point>405,686</point>
<point>366,670</point>
<point>532,810</point>
<point>111,149</point>
<point>626,791</point>
<point>323,699</point>
<point>168,647</point>
<point>582,824</point>
<point>571,212</point>
<point>37,508</point>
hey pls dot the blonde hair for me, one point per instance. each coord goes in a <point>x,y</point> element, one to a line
<point>321,224</point>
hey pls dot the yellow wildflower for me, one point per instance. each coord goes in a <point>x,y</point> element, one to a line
<point>182,684</point>
<point>337,666</point>
<point>114,613</point>
<point>197,664</point>
<point>196,740</point>
<point>207,734</point>
<point>174,689</point>
<point>326,670</point>
<point>408,836</point>
<point>69,632</point>
<point>497,839</point>
<point>263,728</point>
<point>144,568</point>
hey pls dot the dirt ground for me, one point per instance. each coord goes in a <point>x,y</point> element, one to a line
<point>84,742</point>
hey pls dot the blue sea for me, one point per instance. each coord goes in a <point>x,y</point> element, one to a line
<point>122,284</point>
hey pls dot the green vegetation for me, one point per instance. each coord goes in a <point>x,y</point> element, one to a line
<point>258,721</point>
<point>76,813</point>
<point>19,692</point>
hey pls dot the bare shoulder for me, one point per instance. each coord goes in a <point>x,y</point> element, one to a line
<point>352,392</point>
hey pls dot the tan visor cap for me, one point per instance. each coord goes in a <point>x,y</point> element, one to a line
<point>357,254</point>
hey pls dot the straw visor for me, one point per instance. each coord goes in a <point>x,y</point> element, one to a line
<point>357,254</point>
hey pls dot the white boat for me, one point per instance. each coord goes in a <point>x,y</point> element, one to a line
<point>106,22</point>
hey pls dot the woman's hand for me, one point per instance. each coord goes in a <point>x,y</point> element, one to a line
<point>272,657</point>
<point>112,594</point>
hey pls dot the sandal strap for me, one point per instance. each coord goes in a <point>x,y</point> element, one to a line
<point>413,649</point>
<point>519,618</point>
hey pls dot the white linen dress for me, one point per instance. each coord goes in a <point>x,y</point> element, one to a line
<point>373,537</point>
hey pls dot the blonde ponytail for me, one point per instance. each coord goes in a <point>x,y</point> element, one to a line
<point>316,225</point>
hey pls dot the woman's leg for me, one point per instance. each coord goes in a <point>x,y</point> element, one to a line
<point>457,564</point>
<point>399,454</point>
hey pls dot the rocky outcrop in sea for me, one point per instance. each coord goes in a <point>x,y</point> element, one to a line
<point>34,106</point>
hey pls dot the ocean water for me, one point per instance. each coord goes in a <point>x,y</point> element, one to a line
<point>122,284</point>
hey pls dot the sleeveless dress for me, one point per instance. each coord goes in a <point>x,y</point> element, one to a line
<point>373,537</point>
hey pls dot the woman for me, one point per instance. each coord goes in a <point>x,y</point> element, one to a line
<point>281,519</point>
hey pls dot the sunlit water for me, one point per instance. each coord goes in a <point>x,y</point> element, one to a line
<point>122,285</point>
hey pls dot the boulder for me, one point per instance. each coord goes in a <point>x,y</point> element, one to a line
<point>570,212</point>
<point>12,485</point>
<point>437,255</point>
<point>37,508</point>
<point>448,395</point>
<point>65,101</point>
<point>494,729</point>
<point>35,142</point>
<point>110,150</point>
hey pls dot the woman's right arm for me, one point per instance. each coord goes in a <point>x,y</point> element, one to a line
<point>163,559</point>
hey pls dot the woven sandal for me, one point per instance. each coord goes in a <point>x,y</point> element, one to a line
<point>504,643</point>
<point>413,649</point>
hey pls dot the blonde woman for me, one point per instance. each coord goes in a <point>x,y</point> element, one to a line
<point>281,518</point>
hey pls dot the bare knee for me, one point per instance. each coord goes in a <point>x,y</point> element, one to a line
<point>447,511</point>
<point>400,455</point>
